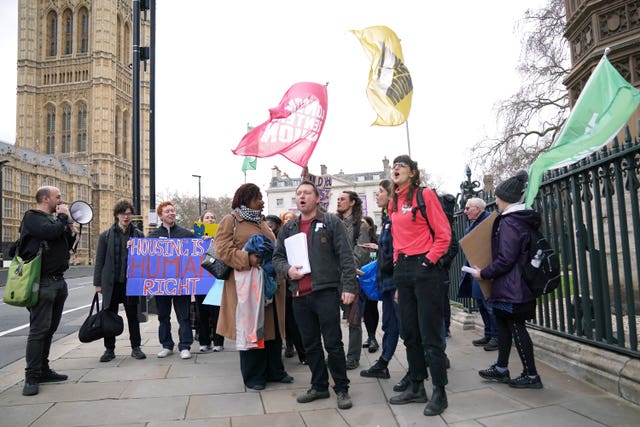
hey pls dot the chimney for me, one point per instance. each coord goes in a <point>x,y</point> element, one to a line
<point>385,167</point>
<point>323,169</point>
<point>488,184</point>
<point>275,172</point>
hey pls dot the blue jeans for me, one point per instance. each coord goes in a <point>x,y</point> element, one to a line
<point>420,295</point>
<point>181,307</point>
<point>390,325</point>
<point>44,318</point>
<point>488,318</point>
<point>318,318</point>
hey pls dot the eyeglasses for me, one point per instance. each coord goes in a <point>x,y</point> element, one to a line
<point>400,165</point>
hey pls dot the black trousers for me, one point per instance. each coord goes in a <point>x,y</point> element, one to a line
<point>291,327</point>
<point>44,318</point>
<point>264,365</point>
<point>512,328</point>
<point>208,321</point>
<point>118,297</point>
<point>371,316</point>
<point>318,316</point>
<point>420,294</point>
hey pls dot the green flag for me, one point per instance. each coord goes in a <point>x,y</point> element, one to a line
<point>249,164</point>
<point>602,109</point>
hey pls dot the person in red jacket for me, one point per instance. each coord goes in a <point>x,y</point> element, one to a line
<point>419,282</point>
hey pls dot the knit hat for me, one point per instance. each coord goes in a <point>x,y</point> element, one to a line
<point>273,218</point>
<point>511,190</point>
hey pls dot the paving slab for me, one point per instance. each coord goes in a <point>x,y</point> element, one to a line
<point>547,416</point>
<point>180,387</point>
<point>224,405</point>
<point>130,373</point>
<point>65,392</point>
<point>285,419</point>
<point>473,404</point>
<point>22,415</point>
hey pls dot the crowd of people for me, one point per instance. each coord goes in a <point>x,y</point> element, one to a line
<point>301,312</point>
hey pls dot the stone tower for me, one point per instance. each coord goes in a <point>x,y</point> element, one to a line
<point>74,94</point>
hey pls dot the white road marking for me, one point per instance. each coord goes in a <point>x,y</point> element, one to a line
<point>26,325</point>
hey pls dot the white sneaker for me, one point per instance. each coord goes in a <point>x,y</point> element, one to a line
<point>205,348</point>
<point>165,352</point>
<point>185,354</point>
<point>218,348</point>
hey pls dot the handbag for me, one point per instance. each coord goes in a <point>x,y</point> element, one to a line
<point>23,278</point>
<point>212,264</point>
<point>102,324</point>
<point>23,281</point>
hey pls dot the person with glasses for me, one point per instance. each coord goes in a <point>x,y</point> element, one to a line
<point>110,277</point>
<point>470,288</point>
<point>419,282</point>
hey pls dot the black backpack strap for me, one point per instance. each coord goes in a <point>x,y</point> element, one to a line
<point>423,209</point>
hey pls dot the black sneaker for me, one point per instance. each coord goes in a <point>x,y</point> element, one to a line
<point>352,364</point>
<point>525,381</point>
<point>481,342</point>
<point>378,370</point>
<point>30,388</point>
<point>373,345</point>
<point>312,394</point>
<point>136,353</point>
<point>492,345</point>
<point>344,401</point>
<point>107,356</point>
<point>492,374</point>
<point>52,376</point>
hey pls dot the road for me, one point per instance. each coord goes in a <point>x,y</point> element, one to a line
<point>14,321</point>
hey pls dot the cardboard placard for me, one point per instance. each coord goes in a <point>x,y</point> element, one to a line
<point>476,246</point>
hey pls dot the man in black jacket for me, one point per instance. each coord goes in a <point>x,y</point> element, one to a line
<point>110,276</point>
<point>48,226</point>
<point>316,299</point>
<point>181,303</point>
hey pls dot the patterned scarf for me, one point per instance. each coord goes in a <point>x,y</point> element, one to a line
<point>249,214</point>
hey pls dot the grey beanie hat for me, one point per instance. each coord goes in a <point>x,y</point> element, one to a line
<point>512,189</point>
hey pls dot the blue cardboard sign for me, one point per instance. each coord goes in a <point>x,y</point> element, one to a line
<point>168,267</point>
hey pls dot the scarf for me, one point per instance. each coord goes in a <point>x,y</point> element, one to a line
<point>249,214</point>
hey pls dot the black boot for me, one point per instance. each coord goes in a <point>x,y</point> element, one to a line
<point>378,370</point>
<point>414,393</point>
<point>403,383</point>
<point>438,402</point>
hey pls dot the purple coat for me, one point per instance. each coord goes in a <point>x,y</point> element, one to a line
<point>510,241</point>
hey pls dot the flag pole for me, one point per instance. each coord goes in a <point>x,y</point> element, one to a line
<point>408,140</point>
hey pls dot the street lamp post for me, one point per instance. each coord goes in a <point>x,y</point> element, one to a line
<point>199,195</point>
<point>469,188</point>
<point>2,163</point>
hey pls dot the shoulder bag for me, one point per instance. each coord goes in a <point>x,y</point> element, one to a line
<point>212,264</point>
<point>23,279</point>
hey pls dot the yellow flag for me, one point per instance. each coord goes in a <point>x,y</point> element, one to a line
<point>390,87</point>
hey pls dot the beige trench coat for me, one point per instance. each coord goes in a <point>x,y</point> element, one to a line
<point>229,250</point>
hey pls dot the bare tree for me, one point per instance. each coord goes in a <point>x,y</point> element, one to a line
<point>530,119</point>
<point>187,207</point>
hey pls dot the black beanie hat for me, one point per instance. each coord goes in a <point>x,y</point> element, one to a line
<point>273,218</point>
<point>511,190</point>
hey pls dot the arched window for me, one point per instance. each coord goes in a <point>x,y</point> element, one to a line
<point>51,130</point>
<point>116,132</point>
<point>67,33</point>
<point>126,56</point>
<point>119,40</point>
<point>125,135</point>
<point>52,34</point>
<point>83,30</point>
<point>66,128</point>
<point>81,141</point>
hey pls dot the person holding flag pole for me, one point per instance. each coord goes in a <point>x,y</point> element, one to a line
<point>602,109</point>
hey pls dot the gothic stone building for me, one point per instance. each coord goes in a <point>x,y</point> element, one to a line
<point>74,108</point>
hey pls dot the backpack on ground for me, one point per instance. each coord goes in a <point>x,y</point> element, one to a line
<point>542,272</point>
<point>448,204</point>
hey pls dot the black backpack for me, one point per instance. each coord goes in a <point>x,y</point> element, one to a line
<point>448,204</point>
<point>542,272</point>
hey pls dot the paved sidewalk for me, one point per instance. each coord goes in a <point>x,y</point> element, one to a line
<point>207,390</point>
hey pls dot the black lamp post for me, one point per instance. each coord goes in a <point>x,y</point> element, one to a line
<point>2,163</point>
<point>199,195</point>
<point>468,188</point>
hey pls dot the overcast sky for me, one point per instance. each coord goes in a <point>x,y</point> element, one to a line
<point>222,65</point>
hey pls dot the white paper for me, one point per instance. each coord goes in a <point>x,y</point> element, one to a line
<point>468,269</point>
<point>297,252</point>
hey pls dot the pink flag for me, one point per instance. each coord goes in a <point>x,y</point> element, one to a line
<point>294,127</point>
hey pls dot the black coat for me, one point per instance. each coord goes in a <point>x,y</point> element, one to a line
<point>106,262</point>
